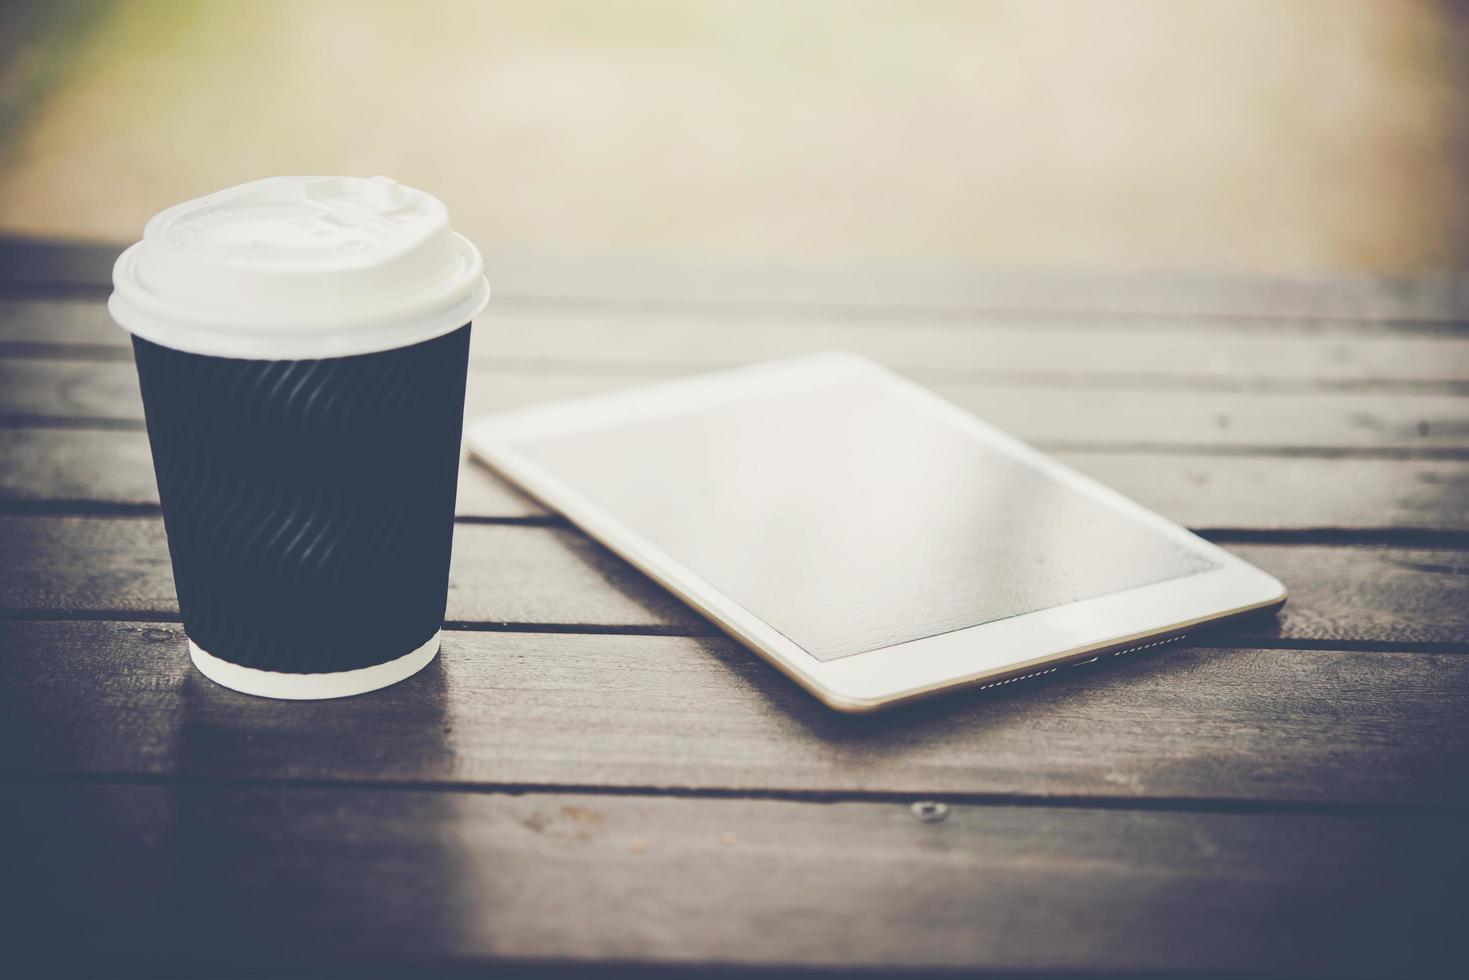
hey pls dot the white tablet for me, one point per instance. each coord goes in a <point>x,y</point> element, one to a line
<point>871,540</point>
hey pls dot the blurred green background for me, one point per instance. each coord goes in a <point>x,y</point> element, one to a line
<point>1279,136</point>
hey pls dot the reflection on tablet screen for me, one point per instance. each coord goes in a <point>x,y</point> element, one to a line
<point>849,518</point>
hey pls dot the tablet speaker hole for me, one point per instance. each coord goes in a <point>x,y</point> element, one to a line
<point>1149,646</point>
<point>1082,663</point>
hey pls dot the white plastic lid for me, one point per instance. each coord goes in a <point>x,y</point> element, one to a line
<point>290,268</point>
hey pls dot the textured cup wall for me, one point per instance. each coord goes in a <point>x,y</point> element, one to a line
<point>309,504</point>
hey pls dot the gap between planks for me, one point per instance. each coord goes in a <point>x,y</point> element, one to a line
<point>38,267</point>
<point>536,711</point>
<point>58,394</point>
<point>1083,354</point>
<point>830,797</point>
<point>508,574</point>
<point>402,881</point>
<point>90,423</point>
<point>98,353</point>
<point>1305,320</point>
<point>1385,537</point>
<point>1205,638</point>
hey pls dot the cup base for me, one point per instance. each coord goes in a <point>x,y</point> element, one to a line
<point>312,687</point>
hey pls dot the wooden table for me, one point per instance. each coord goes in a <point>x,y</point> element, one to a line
<point>592,779</point>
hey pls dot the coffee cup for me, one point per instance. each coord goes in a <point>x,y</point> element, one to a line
<point>302,347</point>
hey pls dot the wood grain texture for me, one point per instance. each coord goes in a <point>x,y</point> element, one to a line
<point>1104,351</point>
<point>1110,351</point>
<point>63,322</point>
<point>1081,354</point>
<point>69,390</point>
<point>30,267</point>
<point>1052,415</point>
<point>373,880</point>
<point>34,265</point>
<point>509,574</point>
<point>79,466</point>
<point>671,713</point>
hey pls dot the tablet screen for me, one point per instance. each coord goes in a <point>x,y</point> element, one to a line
<point>850,517</point>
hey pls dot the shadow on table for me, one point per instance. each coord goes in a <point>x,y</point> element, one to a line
<point>274,848</point>
<point>399,734</point>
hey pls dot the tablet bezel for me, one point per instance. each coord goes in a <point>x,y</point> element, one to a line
<point>976,655</point>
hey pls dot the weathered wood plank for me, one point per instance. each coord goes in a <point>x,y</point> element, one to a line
<point>1107,351</point>
<point>64,322</point>
<point>1082,353</point>
<point>374,880</point>
<point>1284,493</point>
<point>30,266</point>
<point>85,467</point>
<point>69,390</point>
<point>1050,415</point>
<point>40,465</point>
<point>609,282</point>
<point>501,574</point>
<point>537,709</point>
<point>535,575</point>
